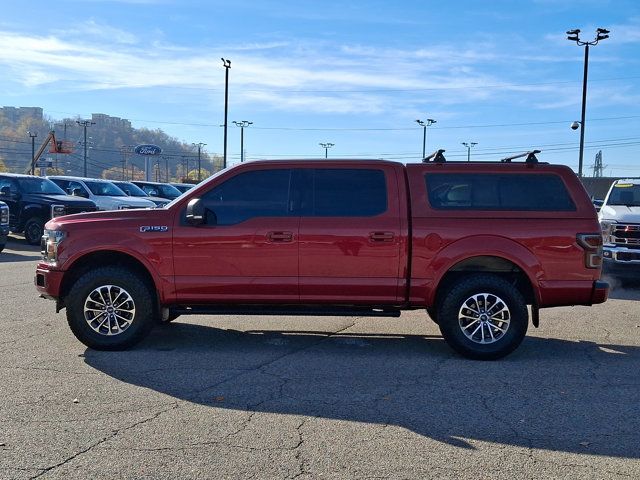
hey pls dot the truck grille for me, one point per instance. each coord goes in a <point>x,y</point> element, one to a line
<point>625,235</point>
<point>72,210</point>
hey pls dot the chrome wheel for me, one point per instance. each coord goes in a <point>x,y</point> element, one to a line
<point>484,318</point>
<point>109,310</point>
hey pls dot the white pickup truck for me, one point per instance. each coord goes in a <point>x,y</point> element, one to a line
<point>620,221</point>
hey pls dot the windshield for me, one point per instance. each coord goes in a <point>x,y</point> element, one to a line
<point>169,191</point>
<point>626,194</point>
<point>131,189</point>
<point>105,188</point>
<point>39,185</point>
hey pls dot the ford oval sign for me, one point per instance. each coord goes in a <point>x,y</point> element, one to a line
<point>148,150</point>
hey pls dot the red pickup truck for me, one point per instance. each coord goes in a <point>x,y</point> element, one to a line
<point>473,243</point>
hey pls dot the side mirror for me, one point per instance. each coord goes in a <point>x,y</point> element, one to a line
<point>5,191</point>
<point>77,192</point>
<point>195,212</point>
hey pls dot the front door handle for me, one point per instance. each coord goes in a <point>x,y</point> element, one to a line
<point>381,236</point>
<point>280,237</point>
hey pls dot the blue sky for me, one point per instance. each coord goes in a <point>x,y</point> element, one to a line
<point>356,74</point>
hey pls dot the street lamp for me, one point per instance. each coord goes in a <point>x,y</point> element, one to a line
<point>574,36</point>
<point>326,147</point>
<point>469,146</point>
<point>199,145</point>
<point>33,136</point>
<point>242,124</point>
<point>227,65</point>
<point>424,125</point>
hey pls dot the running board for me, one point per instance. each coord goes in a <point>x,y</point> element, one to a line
<point>312,311</point>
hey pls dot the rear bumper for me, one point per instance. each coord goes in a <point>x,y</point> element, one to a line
<point>560,293</point>
<point>48,282</point>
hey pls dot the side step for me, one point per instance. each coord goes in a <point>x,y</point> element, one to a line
<point>304,310</point>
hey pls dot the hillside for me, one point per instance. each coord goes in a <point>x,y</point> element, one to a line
<point>110,143</point>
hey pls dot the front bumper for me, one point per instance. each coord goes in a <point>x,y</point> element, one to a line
<point>4,233</point>
<point>48,282</point>
<point>621,262</point>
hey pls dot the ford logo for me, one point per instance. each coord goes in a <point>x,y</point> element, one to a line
<point>148,150</point>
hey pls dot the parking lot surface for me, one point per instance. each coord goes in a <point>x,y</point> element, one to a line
<point>291,397</point>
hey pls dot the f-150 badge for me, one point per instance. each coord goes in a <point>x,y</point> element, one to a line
<point>154,228</point>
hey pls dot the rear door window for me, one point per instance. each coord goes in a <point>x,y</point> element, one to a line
<point>343,192</point>
<point>531,192</point>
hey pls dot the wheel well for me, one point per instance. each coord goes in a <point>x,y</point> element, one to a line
<point>91,260</point>
<point>498,266</point>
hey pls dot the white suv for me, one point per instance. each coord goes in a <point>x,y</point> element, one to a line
<point>104,193</point>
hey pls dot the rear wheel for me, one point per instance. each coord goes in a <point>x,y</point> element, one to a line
<point>110,308</point>
<point>33,230</point>
<point>483,317</point>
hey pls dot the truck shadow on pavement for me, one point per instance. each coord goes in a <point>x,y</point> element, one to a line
<point>17,250</point>
<point>557,395</point>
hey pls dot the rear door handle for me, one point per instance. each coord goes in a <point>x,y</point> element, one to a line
<point>381,236</point>
<point>280,237</point>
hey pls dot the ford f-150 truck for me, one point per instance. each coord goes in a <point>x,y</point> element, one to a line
<point>474,244</point>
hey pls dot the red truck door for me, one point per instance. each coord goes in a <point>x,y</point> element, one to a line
<point>350,235</point>
<point>248,248</point>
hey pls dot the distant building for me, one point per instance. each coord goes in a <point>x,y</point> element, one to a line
<point>109,121</point>
<point>17,114</point>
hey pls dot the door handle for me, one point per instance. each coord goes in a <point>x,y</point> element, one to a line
<point>381,236</point>
<point>280,236</point>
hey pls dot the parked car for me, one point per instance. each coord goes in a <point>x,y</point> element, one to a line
<point>157,189</point>
<point>33,201</point>
<point>474,244</point>
<point>597,203</point>
<point>620,222</point>
<point>103,192</point>
<point>183,187</point>
<point>133,190</point>
<point>4,224</point>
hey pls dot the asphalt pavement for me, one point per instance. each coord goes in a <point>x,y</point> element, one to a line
<point>291,397</point>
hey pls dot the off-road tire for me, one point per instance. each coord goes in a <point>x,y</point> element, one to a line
<point>141,294</point>
<point>452,305</point>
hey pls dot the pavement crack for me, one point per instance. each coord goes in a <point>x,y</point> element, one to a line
<point>113,435</point>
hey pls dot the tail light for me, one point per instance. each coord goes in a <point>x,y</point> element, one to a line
<point>592,245</point>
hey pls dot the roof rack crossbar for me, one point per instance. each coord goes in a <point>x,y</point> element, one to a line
<point>436,157</point>
<point>531,157</point>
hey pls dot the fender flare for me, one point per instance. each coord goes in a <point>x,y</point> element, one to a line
<point>484,246</point>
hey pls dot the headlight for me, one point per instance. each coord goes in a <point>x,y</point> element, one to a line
<point>49,245</point>
<point>607,226</point>
<point>4,215</point>
<point>57,211</point>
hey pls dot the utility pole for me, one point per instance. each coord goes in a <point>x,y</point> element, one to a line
<point>125,150</point>
<point>227,65</point>
<point>85,124</point>
<point>242,124</point>
<point>199,145</point>
<point>574,36</point>
<point>33,136</point>
<point>469,146</point>
<point>326,147</point>
<point>424,125</point>
<point>166,161</point>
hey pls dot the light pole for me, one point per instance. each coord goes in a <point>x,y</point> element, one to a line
<point>33,136</point>
<point>85,124</point>
<point>469,146</point>
<point>227,65</point>
<point>574,36</point>
<point>242,124</point>
<point>424,125</point>
<point>326,147</point>
<point>199,145</point>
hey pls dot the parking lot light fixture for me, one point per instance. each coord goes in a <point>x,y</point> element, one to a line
<point>469,146</point>
<point>326,147</point>
<point>424,125</point>
<point>574,36</point>
<point>242,124</point>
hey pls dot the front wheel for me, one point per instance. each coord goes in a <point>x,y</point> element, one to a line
<point>110,308</point>
<point>33,230</point>
<point>483,317</point>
